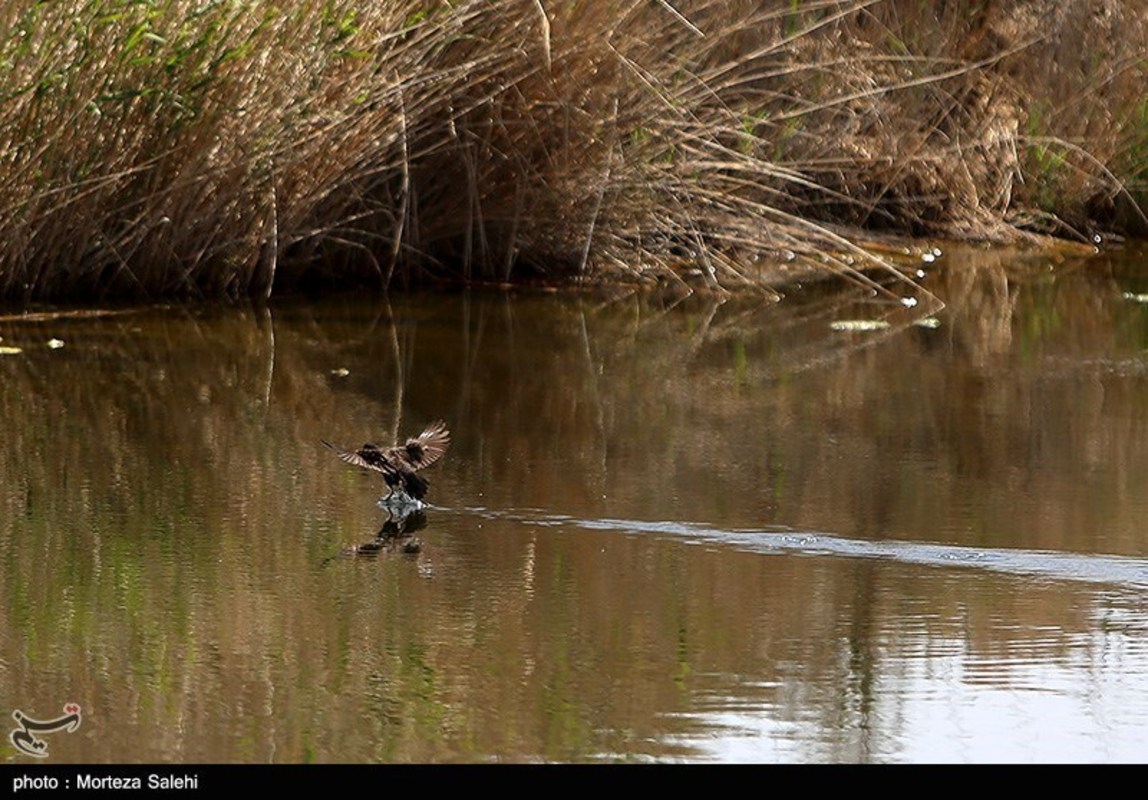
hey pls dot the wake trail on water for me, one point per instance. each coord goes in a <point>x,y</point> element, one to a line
<point>1128,571</point>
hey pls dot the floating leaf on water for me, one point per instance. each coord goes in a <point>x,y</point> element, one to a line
<point>928,322</point>
<point>9,351</point>
<point>55,344</point>
<point>1136,298</point>
<point>340,372</point>
<point>859,325</point>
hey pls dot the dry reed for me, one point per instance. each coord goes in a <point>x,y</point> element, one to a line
<point>207,148</point>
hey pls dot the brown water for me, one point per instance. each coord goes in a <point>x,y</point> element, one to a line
<point>666,529</point>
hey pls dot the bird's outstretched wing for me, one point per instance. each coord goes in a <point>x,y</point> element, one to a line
<point>368,457</point>
<point>428,447</point>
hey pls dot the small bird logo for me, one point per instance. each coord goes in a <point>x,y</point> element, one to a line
<point>400,464</point>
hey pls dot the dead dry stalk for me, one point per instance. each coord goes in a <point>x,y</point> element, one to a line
<point>231,148</point>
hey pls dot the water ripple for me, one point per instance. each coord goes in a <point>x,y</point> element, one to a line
<point>1058,565</point>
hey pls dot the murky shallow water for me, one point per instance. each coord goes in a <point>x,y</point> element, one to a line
<point>666,530</point>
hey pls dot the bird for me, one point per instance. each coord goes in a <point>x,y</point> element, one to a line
<point>400,464</point>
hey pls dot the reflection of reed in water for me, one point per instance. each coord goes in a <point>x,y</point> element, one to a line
<point>159,464</point>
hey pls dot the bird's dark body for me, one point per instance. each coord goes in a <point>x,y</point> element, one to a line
<point>397,466</point>
<point>400,464</point>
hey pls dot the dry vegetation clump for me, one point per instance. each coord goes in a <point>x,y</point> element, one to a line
<point>183,147</point>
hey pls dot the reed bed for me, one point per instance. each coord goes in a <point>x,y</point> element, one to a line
<point>174,147</point>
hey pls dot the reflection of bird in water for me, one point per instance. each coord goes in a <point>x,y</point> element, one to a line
<point>396,536</point>
<point>400,464</point>
<point>404,525</point>
<point>410,547</point>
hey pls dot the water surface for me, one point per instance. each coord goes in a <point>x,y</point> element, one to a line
<point>668,528</point>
